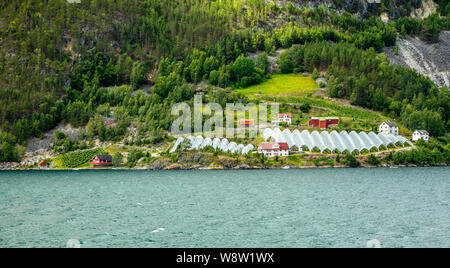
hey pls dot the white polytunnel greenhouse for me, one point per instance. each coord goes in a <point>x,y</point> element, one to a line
<point>199,142</point>
<point>342,141</point>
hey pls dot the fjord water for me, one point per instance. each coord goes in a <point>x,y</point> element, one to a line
<point>404,207</point>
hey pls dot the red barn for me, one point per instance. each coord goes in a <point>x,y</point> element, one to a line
<point>101,161</point>
<point>323,122</point>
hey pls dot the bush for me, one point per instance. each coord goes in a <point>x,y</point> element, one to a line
<point>323,161</point>
<point>117,159</point>
<point>351,161</point>
<point>133,157</point>
<point>373,160</point>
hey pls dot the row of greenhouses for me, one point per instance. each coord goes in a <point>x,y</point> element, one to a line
<point>341,142</point>
<point>198,143</point>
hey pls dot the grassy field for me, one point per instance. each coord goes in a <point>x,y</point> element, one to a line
<point>292,89</point>
<point>282,85</point>
<point>336,109</point>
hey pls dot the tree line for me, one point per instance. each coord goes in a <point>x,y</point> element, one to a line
<point>58,61</point>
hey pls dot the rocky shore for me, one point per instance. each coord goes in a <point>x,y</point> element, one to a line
<point>209,161</point>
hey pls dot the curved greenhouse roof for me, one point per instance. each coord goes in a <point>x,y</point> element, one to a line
<point>342,141</point>
<point>199,142</point>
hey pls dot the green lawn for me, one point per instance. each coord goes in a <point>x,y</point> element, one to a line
<point>282,85</point>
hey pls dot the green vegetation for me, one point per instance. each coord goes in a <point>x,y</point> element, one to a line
<point>282,85</point>
<point>351,161</point>
<point>373,160</point>
<point>323,161</point>
<point>366,79</point>
<point>74,160</point>
<point>70,63</point>
<point>436,152</point>
<point>341,110</point>
<point>133,157</point>
<point>117,159</point>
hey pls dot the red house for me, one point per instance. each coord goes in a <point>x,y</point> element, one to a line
<point>43,164</point>
<point>323,122</point>
<point>101,161</point>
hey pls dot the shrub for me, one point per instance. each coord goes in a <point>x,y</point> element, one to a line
<point>117,159</point>
<point>351,161</point>
<point>323,161</point>
<point>373,160</point>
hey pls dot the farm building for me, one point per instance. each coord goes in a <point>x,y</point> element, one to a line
<point>323,122</point>
<point>341,142</point>
<point>101,161</point>
<point>271,149</point>
<point>43,164</point>
<point>283,118</point>
<point>420,135</point>
<point>388,127</point>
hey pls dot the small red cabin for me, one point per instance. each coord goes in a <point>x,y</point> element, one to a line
<point>101,161</point>
<point>323,122</point>
<point>43,164</point>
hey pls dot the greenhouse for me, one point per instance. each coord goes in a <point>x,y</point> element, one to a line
<point>341,142</point>
<point>198,143</point>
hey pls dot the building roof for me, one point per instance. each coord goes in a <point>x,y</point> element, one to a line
<point>274,146</point>
<point>341,141</point>
<point>324,118</point>
<point>104,157</point>
<point>390,123</point>
<point>422,132</point>
<point>282,115</point>
<point>247,121</point>
<point>224,145</point>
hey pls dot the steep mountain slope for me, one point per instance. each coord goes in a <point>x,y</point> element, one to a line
<point>365,8</point>
<point>432,60</point>
<point>67,63</point>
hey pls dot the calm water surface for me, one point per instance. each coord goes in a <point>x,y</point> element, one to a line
<point>404,207</point>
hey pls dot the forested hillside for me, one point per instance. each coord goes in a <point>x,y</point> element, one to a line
<point>58,60</point>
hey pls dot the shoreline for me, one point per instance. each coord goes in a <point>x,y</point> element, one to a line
<point>222,168</point>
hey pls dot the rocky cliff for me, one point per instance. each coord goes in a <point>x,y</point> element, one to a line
<point>432,60</point>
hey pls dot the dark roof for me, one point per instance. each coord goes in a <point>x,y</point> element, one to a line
<point>104,157</point>
<point>423,132</point>
<point>390,123</point>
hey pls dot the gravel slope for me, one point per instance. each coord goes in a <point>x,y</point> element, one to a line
<point>432,60</point>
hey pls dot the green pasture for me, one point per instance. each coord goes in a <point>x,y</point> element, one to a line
<point>282,85</point>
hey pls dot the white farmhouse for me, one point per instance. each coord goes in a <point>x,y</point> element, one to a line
<point>283,118</point>
<point>388,127</point>
<point>270,149</point>
<point>420,135</point>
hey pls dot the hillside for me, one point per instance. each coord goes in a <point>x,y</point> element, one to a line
<point>431,60</point>
<point>113,70</point>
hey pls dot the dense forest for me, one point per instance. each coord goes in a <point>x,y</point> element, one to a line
<point>59,61</point>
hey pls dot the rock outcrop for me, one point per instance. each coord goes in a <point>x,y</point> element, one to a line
<point>432,60</point>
